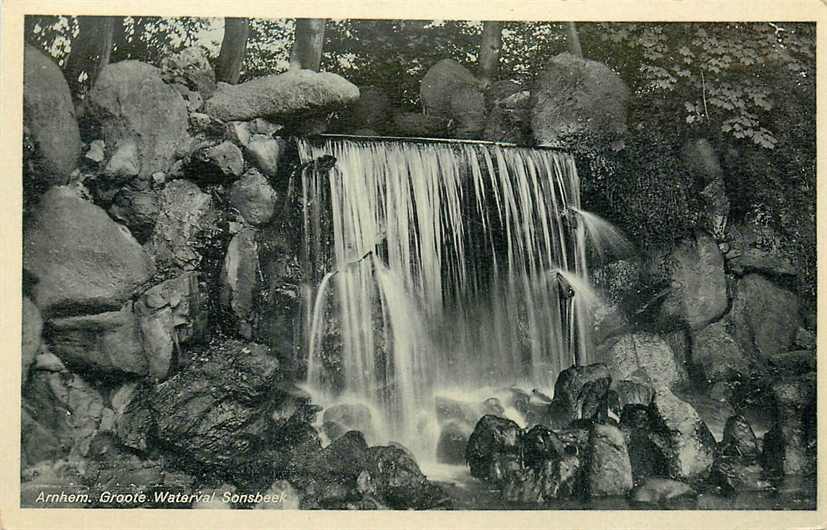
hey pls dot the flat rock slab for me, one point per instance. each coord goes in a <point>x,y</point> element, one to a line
<point>290,93</point>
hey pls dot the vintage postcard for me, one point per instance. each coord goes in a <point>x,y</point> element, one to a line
<point>316,265</point>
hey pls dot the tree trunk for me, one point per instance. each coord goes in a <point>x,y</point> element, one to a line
<point>574,40</point>
<point>233,48</point>
<point>90,51</point>
<point>307,45</point>
<point>490,51</point>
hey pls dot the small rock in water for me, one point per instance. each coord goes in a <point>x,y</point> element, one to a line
<point>657,491</point>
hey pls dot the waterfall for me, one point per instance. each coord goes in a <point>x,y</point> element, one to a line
<point>445,265</point>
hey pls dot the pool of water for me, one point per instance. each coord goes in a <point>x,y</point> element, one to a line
<point>468,493</point>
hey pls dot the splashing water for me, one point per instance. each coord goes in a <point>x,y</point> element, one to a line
<point>444,272</point>
<point>606,239</point>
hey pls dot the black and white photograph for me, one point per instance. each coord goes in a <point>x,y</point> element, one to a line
<point>429,264</point>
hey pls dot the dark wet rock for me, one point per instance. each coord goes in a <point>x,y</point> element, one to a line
<point>217,163</point>
<point>509,119</point>
<point>699,293</point>
<point>133,422</point>
<point>765,316</point>
<point>790,446</point>
<point>350,417</point>
<point>239,280</point>
<point>186,211</point>
<point>579,390</point>
<point>341,462</point>
<point>371,110</point>
<point>716,355</point>
<point>450,91</point>
<point>578,99</point>
<point>82,259</point>
<point>739,440</point>
<point>757,247</point>
<point>421,125</point>
<point>554,479</point>
<point>609,469</point>
<point>732,475</point>
<point>190,67</point>
<point>62,414</point>
<point>169,313</point>
<point>682,440</point>
<point>217,411</point>
<point>660,491</point>
<point>453,438</point>
<point>154,117</point>
<point>49,117</point>
<point>253,197</point>
<point>541,444</point>
<point>399,482</point>
<point>31,336</point>
<point>137,210</point>
<point>288,94</point>
<point>644,357</point>
<point>265,152</point>
<point>494,448</point>
<point>643,456</point>
<point>51,478</point>
<point>109,342</point>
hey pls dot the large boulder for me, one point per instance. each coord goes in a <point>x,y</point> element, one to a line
<point>185,211</point>
<point>699,291</point>
<point>716,354</point>
<point>82,259</point>
<point>580,391</point>
<point>494,448</point>
<point>453,438</point>
<point>217,411</point>
<point>169,313</point>
<point>399,482</point>
<point>765,316</point>
<point>644,357</point>
<point>682,440</point>
<point>578,99</point>
<point>253,197</point>
<point>450,91</point>
<point>31,333</point>
<point>239,280</point>
<point>291,93</point>
<point>132,103</point>
<point>105,342</point>
<point>609,471</point>
<point>49,117</point>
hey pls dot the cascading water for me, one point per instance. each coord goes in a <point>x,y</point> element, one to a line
<point>453,266</point>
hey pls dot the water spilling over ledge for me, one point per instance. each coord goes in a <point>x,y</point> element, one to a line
<point>446,265</point>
